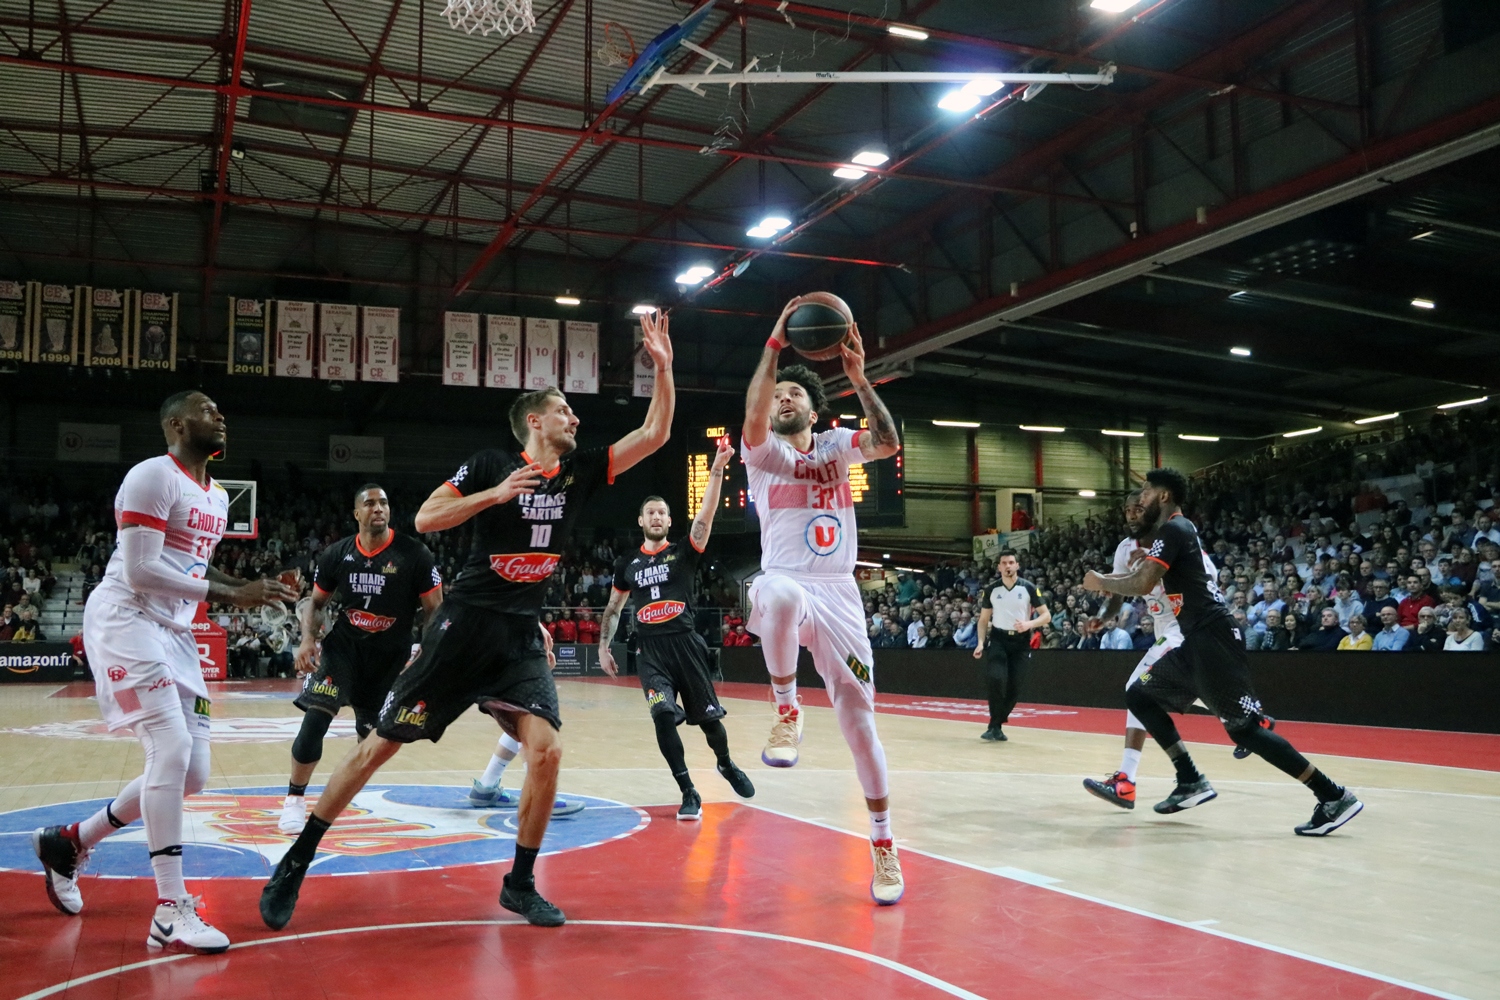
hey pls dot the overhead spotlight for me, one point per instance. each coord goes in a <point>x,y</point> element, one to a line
<point>1042,429</point>
<point>1423,304</point>
<point>848,416</point>
<point>1197,437</point>
<point>694,275</point>
<point>1122,434</point>
<point>1238,295</point>
<point>1423,235</point>
<point>1087,493</point>
<point>769,226</point>
<point>1240,352</point>
<point>1302,433</point>
<point>871,157</point>
<point>955,423</point>
<point>1377,419</point>
<point>1113,6</point>
<point>907,31</point>
<point>849,173</point>
<point>983,86</point>
<point>958,100</point>
<point>642,309</point>
<point>568,300</point>
<point>1462,402</point>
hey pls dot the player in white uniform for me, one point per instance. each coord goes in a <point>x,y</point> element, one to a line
<point>807,595</point>
<point>1119,787</point>
<point>137,627</point>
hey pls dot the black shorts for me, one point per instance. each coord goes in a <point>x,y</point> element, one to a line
<point>471,656</point>
<point>1210,664</point>
<point>676,666</point>
<point>354,673</point>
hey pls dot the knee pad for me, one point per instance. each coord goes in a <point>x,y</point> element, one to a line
<point>1136,697</point>
<point>307,748</point>
<point>198,769</point>
<point>778,595</point>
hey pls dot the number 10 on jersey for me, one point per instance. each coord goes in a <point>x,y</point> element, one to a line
<point>541,536</point>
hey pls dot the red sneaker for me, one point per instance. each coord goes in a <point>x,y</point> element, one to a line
<point>1116,788</point>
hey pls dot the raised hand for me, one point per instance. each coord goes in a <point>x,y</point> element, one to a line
<point>723,455</point>
<point>852,351</point>
<point>654,330</point>
<point>778,333</point>
<point>523,480</point>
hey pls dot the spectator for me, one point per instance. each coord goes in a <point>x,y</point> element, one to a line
<point>919,641</point>
<point>1145,636</point>
<point>1379,599</point>
<point>1358,640</point>
<point>1112,636</point>
<point>894,636</point>
<point>550,624</point>
<point>28,630</point>
<point>8,622</point>
<point>31,585</point>
<point>1067,637</point>
<point>588,627</point>
<point>966,635</point>
<point>1346,603</point>
<point>1270,601</point>
<point>566,630</point>
<point>1427,638</point>
<point>907,590</point>
<point>1461,638</point>
<point>1276,638</point>
<point>1392,638</point>
<point>1326,637</point>
<point>1416,600</point>
<point>1291,624</point>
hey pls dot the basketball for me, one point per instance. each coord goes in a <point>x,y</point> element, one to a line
<point>819,325</point>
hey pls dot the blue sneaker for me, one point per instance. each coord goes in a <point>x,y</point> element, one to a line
<point>495,797</point>
<point>484,796</point>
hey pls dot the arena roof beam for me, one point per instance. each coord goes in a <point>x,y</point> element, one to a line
<point>231,100</point>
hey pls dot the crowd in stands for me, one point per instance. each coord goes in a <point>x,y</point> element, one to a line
<point>38,530</point>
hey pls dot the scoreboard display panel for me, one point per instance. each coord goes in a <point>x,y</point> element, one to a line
<point>879,500</point>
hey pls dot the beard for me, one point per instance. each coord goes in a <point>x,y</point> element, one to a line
<point>205,440</point>
<point>1137,530</point>
<point>1150,516</point>
<point>794,424</point>
<point>654,534</point>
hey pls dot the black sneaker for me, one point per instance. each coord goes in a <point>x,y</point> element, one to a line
<point>737,780</point>
<point>994,734</point>
<point>1329,816</point>
<point>1187,796</point>
<point>691,809</point>
<point>530,904</point>
<point>279,898</point>
<point>1266,722</point>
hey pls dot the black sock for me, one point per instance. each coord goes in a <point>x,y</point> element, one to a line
<point>1187,771</point>
<point>306,844</point>
<point>718,740</point>
<point>671,747</point>
<point>521,873</point>
<point>1323,787</point>
<point>292,789</point>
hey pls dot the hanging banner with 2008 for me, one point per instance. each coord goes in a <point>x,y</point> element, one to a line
<point>105,344</point>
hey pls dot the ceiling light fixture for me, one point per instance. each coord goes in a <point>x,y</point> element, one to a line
<point>1087,493</point>
<point>1423,304</point>
<point>694,274</point>
<point>1113,6</point>
<point>1042,429</point>
<point>849,173</point>
<point>848,416</point>
<point>907,31</point>
<point>955,423</point>
<point>1302,433</point>
<point>870,157</point>
<point>769,226</point>
<point>1122,434</point>
<point>958,100</point>
<point>1425,234</point>
<point>642,309</point>
<point>1240,352</point>
<point>983,86</point>
<point>1463,402</point>
<point>1197,437</point>
<point>568,300</point>
<point>1377,419</point>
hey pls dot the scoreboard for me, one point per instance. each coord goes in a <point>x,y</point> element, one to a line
<point>879,500</point>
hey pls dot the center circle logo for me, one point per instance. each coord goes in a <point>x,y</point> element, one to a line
<point>824,535</point>
<point>231,833</point>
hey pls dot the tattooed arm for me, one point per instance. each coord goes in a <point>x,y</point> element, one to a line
<point>608,623</point>
<point>881,441</point>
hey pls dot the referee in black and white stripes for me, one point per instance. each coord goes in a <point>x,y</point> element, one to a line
<point>1010,608</point>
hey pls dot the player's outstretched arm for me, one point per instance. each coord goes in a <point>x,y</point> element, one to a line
<point>652,434</point>
<point>761,395</point>
<point>445,508</point>
<point>881,440</point>
<point>141,548</point>
<point>703,523</point>
<point>1140,580</point>
<point>307,649</point>
<point>608,623</point>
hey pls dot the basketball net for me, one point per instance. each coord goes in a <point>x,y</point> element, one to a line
<point>509,17</point>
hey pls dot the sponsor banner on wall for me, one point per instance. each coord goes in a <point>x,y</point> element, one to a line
<point>541,353</point>
<point>15,320</point>
<point>350,453</point>
<point>502,359</point>
<point>461,348</point>
<point>249,336</point>
<point>156,330</point>
<point>36,661</point>
<point>338,332</point>
<point>55,329</point>
<point>294,339</point>
<point>88,442</point>
<point>105,344</point>
<point>583,357</point>
<point>645,368</point>
<point>380,344</point>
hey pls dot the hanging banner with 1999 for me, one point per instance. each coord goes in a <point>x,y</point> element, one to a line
<point>156,330</point>
<point>380,356</point>
<point>15,313</point>
<point>56,326</point>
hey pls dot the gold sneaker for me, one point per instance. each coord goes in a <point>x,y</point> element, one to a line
<point>786,733</point>
<point>888,885</point>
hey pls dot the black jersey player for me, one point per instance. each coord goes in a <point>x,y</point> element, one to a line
<point>673,658</point>
<point>1210,664</point>
<point>485,645</point>
<point>378,578</point>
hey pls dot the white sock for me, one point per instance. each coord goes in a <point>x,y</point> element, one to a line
<point>880,825</point>
<point>96,828</point>
<point>495,771</point>
<point>168,871</point>
<point>1130,763</point>
<point>786,694</point>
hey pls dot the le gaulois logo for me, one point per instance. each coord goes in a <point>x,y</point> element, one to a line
<point>524,567</point>
<point>365,620</point>
<point>660,611</point>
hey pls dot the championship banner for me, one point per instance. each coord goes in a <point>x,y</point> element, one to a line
<point>583,357</point>
<point>294,339</point>
<point>502,359</point>
<point>645,368</point>
<point>104,341</point>
<point>541,353</point>
<point>380,344</point>
<point>156,330</point>
<point>338,327</point>
<point>460,348</point>
<point>15,315</point>
<point>249,336</point>
<point>55,328</point>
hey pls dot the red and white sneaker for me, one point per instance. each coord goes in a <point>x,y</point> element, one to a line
<point>1116,788</point>
<point>888,885</point>
<point>176,926</point>
<point>786,734</point>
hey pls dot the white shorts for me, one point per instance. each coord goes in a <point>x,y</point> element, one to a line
<point>831,624</point>
<point>143,668</point>
<point>1163,646</point>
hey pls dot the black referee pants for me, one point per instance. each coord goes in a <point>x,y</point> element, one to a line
<point>1007,660</point>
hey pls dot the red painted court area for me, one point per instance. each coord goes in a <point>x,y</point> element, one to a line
<point>746,904</point>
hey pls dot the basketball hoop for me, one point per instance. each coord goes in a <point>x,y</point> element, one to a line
<point>509,17</point>
<point>611,53</point>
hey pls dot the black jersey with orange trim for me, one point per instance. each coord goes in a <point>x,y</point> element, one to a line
<point>377,590</point>
<point>1177,547</point>
<point>516,545</point>
<point>661,587</point>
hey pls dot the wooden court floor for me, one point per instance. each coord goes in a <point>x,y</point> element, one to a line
<point>1019,883</point>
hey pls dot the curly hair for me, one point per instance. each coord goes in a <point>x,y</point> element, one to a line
<point>810,382</point>
<point>1172,481</point>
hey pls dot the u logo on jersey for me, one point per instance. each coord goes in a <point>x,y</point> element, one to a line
<point>824,534</point>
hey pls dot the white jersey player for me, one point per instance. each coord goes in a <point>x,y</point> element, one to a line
<point>137,627</point>
<point>807,595</point>
<point>1119,787</point>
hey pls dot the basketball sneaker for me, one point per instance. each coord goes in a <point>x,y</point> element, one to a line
<point>495,797</point>
<point>737,780</point>
<point>176,926</point>
<point>691,809</point>
<point>887,886</point>
<point>1187,796</point>
<point>63,859</point>
<point>279,898</point>
<point>995,735</point>
<point>1266,722</point>
<point>293,814</point>
<point>786,733</point>
<point>1329,816</point>
<point>1116,788</point>
<point>530,904</point>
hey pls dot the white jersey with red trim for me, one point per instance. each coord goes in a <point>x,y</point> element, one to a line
<point>160,494</point>
<point>805,506</point>
<point>1163,606</point>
